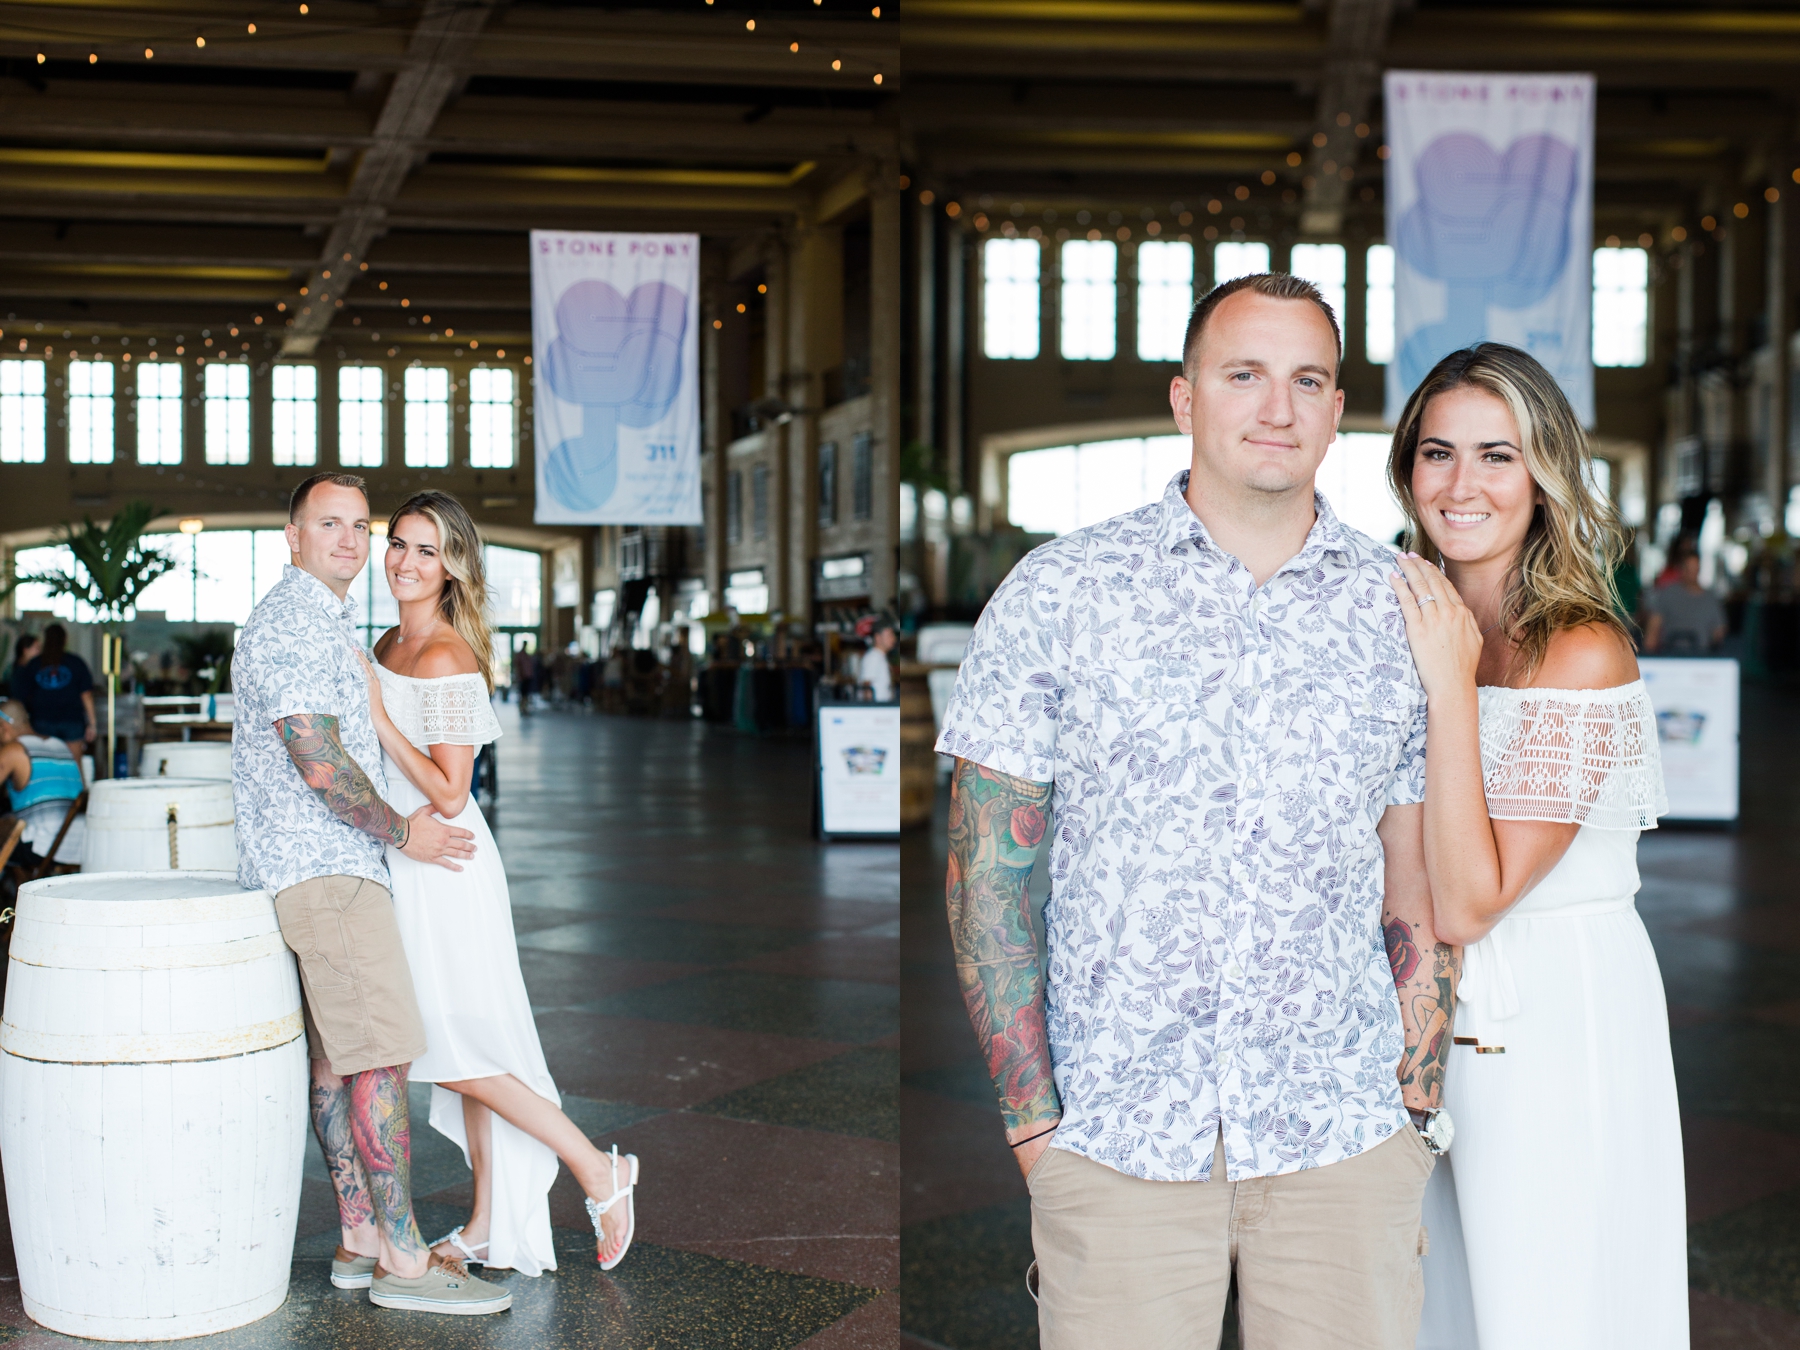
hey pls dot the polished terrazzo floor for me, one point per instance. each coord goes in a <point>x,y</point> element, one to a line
<point>1723,913</point>
<point>716,993</point>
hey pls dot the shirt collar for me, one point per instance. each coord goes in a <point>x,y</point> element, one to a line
<point>1179,524</point>
<point>316,592</point>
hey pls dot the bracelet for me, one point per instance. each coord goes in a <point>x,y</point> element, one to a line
<point>1039,1135</point>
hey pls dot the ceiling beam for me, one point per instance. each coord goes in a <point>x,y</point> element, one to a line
<point>1352,77</point>
<point>437,51</point>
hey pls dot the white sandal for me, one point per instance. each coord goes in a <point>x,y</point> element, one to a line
<point>454,1238</point>
<point>596,1208</point>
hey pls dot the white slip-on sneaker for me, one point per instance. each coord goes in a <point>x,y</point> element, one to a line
<point>445,1287</point>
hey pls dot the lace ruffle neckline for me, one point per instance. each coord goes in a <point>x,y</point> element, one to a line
<point>1574,756</point>
<point>446,710</point>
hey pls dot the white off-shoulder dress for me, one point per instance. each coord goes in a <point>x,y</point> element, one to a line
<point>458,931</point>
<point>1566,1167</point>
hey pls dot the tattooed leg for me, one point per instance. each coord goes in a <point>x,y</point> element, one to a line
<point>331,1123</point>
<point>382,1128</point>
<point>1427,1011</point>
<point>996,825</point>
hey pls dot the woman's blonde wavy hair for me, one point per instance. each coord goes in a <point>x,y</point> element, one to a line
<point>1562,577</point>
<point>464,600</point>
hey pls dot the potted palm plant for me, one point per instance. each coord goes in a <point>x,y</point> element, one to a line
<point>113,567</point>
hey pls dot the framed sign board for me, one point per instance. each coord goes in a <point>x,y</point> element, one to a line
<point>858,769</point>
<point>1696,705</point>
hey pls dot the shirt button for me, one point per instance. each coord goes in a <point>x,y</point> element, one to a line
<point>1235,971</point>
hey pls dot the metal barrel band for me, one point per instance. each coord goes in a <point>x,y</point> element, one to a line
<point>30,947</point>
<point>169,1047</point>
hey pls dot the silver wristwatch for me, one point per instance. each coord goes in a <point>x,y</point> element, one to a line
<point>1435,1127</point>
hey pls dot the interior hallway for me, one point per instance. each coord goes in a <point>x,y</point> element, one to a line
<point>717,994</point>
<point>1725,920</point>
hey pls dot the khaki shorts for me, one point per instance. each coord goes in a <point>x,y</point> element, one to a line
<point>360,1009</point>
<point>1326,1258</point>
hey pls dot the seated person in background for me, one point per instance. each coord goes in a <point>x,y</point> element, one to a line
<point>1682,617</point>
<point>42,776</point>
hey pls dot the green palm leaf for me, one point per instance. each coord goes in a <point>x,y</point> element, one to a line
<point>113,565</point>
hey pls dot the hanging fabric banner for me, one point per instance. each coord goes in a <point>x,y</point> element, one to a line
<point>615,328</point>
<point>1490,205</point>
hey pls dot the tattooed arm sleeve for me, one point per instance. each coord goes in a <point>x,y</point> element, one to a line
<point>996,824</point>
<point>1426,971</point>
<point>312,742</point>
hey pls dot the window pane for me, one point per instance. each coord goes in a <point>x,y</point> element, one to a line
<point>223,594</point>
<point>1378,314</point>
<point>1090,300</point>
<point>227,388</point>
<point>21,412</point>
<point>1068,487</point>
<point>1235,258</point>
<point>90,412</point>
<point>294,415</point>
<point>515,581</point>
<point>493,435</point>
<point>1621,306</point>
<point>269,555</point>
<point>1165,298</point>
<point>1323,265</point>
<point>360,439</point>
<point>427,390</point>
<point>159,413</point>
<point>1010,270</point>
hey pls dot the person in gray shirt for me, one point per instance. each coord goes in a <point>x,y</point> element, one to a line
<point>1682,617</point>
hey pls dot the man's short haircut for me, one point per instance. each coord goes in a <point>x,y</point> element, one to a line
<point>1275,285</point>
<point>301,493</point>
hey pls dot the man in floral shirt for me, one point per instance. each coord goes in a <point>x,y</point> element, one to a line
<point>1210,704</point>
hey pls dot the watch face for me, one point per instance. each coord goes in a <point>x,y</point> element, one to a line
<point>1441,1130</point>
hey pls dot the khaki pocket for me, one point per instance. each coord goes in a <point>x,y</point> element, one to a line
<point>1038,1166</point>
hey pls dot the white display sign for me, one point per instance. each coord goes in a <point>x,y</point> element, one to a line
<point>859,768</point>
<point>1490,204</point>
<point>615,324</point>
<point>1696,706</point>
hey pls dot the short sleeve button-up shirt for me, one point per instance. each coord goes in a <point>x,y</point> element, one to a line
<point>297,654</point>
<point>1221,754</point>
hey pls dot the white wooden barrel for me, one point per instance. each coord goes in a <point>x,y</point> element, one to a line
<point>159,824</point>
<point>186,759</point>
<point>153,1099</point>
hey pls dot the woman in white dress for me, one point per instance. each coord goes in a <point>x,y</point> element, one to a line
<point>492,1092</point>
<point>1542,769</point>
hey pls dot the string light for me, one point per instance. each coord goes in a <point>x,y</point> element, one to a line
<point>251,30</point>
<point>381,285</point>
<point>793,46</point>
<point>837,65</point>
<point>405,304</point>
<point>501,351</point>
<point>41,58</point>
<point>878,79</point>
<point>93,58</point>
<point>199,40</point>
<point>717,323</point>
<point>750,25</point>
<point>149,52</point>
<point>303,9</point>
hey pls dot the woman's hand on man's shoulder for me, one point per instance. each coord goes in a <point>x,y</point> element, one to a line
<point>1593,656</point>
